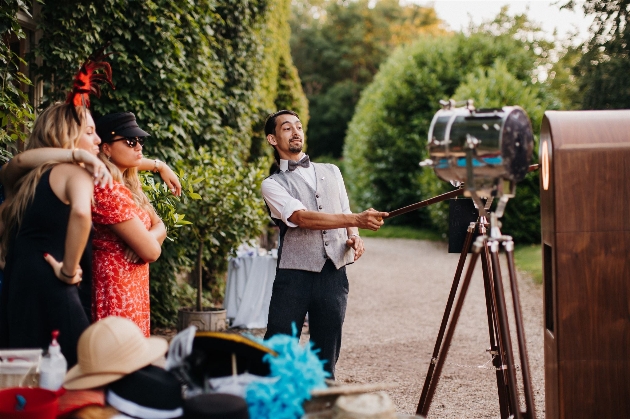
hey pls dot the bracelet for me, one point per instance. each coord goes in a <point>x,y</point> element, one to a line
<point>157,165</point>
<point>66,275</point>
<point>354,235</point>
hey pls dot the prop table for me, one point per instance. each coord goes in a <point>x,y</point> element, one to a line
<point>248,290</point>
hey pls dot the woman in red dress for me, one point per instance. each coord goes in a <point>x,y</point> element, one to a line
<point>128,234</point>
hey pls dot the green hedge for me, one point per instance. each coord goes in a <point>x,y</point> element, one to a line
<point>387,137</point>
<point>201,76</point>
<point>16,113</point>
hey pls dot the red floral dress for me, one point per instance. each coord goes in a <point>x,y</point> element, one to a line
<point>119,288</point>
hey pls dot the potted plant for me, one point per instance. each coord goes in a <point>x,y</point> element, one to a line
<point>228,212</point>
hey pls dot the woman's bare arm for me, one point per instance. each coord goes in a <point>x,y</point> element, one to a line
<point>139,239</point>
<point>166,173</point>
<point>158,229</point>
<point>22,163</point>
<point>74,186</point>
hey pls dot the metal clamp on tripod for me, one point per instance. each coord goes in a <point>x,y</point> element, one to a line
<point>485,152</point>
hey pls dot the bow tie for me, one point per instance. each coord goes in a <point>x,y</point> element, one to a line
<point>305,162</point>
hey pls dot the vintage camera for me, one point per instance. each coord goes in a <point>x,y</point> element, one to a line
<point>488,150</point>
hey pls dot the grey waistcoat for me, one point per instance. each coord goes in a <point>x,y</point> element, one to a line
<point>304,249</point>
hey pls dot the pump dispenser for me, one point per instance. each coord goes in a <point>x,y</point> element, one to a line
<point>53,366</point>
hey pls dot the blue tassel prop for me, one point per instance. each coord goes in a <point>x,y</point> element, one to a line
<point>298,370</point>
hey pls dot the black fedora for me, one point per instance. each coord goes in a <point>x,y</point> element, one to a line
<point>148,393</point>
<point>216,406</point>
<point>120,123</point>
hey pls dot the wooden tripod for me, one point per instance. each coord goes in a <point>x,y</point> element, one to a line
<point>498,328</point>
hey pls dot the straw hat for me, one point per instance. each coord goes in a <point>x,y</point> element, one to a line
<point>110,349</point>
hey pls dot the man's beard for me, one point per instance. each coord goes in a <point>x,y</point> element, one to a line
<point>295,148</point>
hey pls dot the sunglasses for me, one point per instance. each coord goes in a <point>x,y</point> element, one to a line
<point>131,142</point>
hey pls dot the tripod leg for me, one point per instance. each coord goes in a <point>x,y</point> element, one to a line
<point>439,362</point>
<point>496,345</point>
<point>447,313</point>
<point>504,330</point>
<point>520,333</point>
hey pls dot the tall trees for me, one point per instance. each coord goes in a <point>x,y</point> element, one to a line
<point>338,46</point>
<point>604,69</point>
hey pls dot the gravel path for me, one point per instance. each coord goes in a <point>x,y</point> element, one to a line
<point>398,291</point>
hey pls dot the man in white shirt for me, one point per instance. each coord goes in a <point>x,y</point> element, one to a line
<point>318,236</point>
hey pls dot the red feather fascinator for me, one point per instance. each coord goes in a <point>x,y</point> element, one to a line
<point>87,80</point>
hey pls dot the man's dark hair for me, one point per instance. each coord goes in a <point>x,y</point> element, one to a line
<point>270,123</point>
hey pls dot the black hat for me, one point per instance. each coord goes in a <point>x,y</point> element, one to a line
<point>216,406</point>
<point>148,393</point>
<point>212,355</point>
<point>120,123</point>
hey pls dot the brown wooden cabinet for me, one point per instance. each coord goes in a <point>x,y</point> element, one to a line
<point>585,209</point>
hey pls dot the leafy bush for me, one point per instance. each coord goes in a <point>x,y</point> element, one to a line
<point>201,76</point>
<point>229,211</point>
<point>15,109</point>
<point>388,135</point>
<point>165,294</point>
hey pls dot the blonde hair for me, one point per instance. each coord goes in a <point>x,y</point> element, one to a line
<point>54,127</point>
<point>129,177</point>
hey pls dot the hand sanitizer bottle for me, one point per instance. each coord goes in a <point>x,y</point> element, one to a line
<point>53,367</point>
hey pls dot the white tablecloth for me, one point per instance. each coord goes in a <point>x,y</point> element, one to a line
<point>248,290</point>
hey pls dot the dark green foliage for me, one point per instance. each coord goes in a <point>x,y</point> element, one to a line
<point>200,76</point>
<point>338,46</point>
<point>331,113</point>
<point>604,69</point>
<point>604,80</point>
<point>175,64</point>
<point>16,113</point>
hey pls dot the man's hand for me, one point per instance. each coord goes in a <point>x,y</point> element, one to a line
<point>356,242</point>
<point>371,219</point>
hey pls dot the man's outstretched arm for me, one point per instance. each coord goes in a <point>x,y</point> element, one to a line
<point>369,219</point>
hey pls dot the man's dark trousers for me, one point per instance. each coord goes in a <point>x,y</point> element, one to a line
<point>323,295</point>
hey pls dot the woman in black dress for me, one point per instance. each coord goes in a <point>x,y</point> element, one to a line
<point>47,225</point>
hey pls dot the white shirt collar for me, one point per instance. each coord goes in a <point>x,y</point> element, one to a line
<point>284,164</point>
